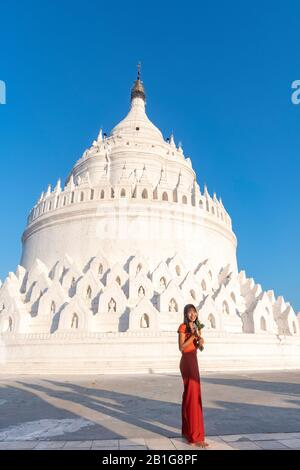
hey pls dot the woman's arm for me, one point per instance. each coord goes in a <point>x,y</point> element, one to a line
<point>183,344</point>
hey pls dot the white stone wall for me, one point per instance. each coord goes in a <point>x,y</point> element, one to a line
<point>101,296</point>
<point>122,227</point>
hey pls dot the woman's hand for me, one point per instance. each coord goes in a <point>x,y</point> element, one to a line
<point>197,335</point>
<point>200,343</point>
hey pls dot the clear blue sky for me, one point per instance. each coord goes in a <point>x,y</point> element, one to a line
<point>218,73</point>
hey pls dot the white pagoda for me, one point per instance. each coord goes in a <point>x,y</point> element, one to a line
<point>110,259</point>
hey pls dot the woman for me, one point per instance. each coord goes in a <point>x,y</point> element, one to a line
<point>189,341</point>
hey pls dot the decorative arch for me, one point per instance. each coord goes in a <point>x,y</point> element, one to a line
<point>141,291</point>
<point>225,308</point>
<point>212,321</point>
<point>52,308</point>
<point>145,321</point>
<point>123,192</point>
<point>173,305</point>
<point>112,306</point>
<point>89,293</point>
<point>139,268</point>
<point>184,200</point>
<point>81,196</point>
<point>193,294</point>
<point>165,196</point>
<point>263,324</point>
<point>75,321</point>
<point>102,194</point>
<point>145,194</point>
<point>163,282</point>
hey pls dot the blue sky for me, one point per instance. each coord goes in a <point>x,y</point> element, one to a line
<point>217,73</point>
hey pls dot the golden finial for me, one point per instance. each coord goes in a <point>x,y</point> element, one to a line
<point>138,87</point>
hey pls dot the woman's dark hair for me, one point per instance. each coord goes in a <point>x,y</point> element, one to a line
<point>186,310</point>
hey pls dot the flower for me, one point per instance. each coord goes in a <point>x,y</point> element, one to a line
<point>199,326</point>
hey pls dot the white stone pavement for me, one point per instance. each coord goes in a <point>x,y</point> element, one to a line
<point>260,441</point>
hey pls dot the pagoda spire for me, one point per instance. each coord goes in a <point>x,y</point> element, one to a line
<point>100,136</point>
<point>57,188</point>
<point>138,90</point>
<point>172,142</point>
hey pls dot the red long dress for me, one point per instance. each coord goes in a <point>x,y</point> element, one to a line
<point>191,410</point>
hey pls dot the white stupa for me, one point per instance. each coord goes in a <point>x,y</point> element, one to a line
<point>110,259</point>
